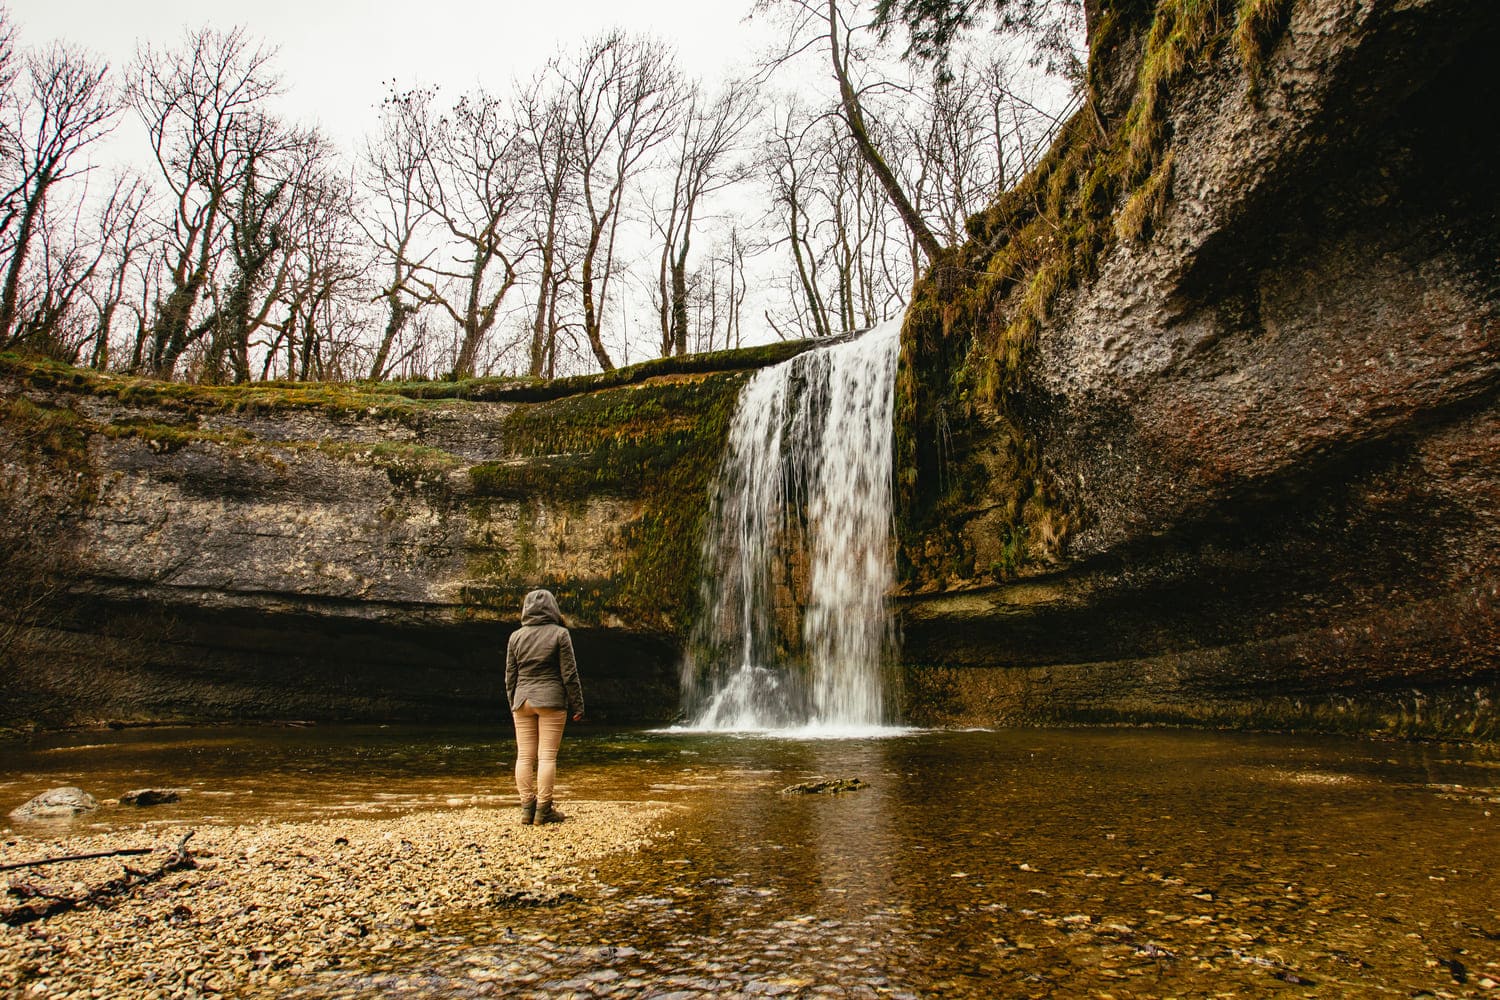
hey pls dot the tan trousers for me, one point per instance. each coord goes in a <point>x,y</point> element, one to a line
<point>539,733</point>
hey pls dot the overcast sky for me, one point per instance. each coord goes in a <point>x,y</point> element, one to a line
<point>336,56</point>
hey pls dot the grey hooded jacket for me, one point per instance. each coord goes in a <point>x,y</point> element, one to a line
<point>539,664</point>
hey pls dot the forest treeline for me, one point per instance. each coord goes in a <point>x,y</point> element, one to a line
<point>606,207</point>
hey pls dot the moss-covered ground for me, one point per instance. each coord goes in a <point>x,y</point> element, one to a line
<point>377,398</point>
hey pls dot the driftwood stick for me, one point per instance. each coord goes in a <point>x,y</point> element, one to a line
<point>115,888</point>
<point>75,857</point>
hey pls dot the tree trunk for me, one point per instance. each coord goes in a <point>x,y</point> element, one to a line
<point>591,321</point>
<point>539,323</point>
<point>11,290</point>
<point>855,119</point>
<point>395,321</point>
<point>679,299</point>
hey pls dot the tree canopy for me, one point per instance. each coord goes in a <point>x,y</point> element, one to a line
<point>933,26</point>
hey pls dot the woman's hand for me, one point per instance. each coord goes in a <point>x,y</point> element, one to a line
<point>577,716</point>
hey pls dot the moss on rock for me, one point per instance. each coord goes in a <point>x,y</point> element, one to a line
<point>975,318</point>
<point>657,445</point>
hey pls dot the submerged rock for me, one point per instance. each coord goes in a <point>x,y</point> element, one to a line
<point>56,803</point>
<point>834,785</point>
<point>151,796</point>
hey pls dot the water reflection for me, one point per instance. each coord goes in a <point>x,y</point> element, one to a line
<point>1012,864</point>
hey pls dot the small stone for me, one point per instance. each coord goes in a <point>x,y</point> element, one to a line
<point>151,796</point>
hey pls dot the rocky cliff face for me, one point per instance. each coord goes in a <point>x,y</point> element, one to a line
<point>1201,426</point>
<point>286,552</point>
<point>1242,466</point>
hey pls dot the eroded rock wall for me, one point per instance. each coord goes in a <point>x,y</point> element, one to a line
<point>325,552</point>
<point>1202,426</point>
<point>1263,432</point>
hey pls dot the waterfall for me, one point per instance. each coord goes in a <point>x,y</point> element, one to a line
<point>793,630</point>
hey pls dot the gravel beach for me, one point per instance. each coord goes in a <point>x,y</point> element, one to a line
<point>267,905</point>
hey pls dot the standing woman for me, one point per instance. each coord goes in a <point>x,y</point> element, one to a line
<point>541,684</point>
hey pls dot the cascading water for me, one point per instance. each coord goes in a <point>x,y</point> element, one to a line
<point>797,557</point>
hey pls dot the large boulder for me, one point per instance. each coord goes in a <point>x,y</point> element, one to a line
<point>56,803</point>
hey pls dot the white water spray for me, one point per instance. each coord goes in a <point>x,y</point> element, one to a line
<point>797,556</point>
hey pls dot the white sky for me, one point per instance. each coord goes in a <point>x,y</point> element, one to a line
<point>337,56</point>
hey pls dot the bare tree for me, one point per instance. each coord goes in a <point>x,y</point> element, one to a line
<point>473,184</point>
<point>788,164</point>
<point>706,139</point>
<point>325,271</point>
<point>69,104</point>
<point>823,23</point>
<point>976,133</point>
<point>623,97</point>
<point>547,127</point>
<point>122,242</point>
<point>852,258</point>
<point>7,51</point>
<point>734,255</point>
<point>717,289</point>
<point>840,54</point>
<point>396,217</point>
<point>275,186</point>
<point>10,101</point>
<point>204,109</point>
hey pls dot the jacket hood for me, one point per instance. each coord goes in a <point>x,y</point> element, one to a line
<point>540,608</point>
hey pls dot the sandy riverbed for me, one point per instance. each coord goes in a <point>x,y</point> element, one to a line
<point>269,904</point>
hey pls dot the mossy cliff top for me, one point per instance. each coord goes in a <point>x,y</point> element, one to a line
<point>377,397</point>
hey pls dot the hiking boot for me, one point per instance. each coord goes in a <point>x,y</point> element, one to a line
<point>546,814</point>
<point>528,812</point>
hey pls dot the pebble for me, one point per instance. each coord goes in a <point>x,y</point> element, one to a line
<point>274,900</point>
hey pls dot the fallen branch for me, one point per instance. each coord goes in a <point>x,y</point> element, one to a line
<point>75,857</point>
<point>179,860</point>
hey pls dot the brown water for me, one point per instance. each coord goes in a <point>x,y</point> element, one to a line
<point>987,864</point>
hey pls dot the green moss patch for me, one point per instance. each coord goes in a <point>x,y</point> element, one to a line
<point>657,444</point>
<point>383,398</point>
<point>518,390</point>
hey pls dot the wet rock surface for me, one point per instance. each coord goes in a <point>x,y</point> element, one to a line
<point>345,552</point>
<point>55,803</point>
<point>142,797</point>
<point>831,786</point>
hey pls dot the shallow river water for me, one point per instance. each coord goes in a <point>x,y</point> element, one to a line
<point>1089,863</point>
